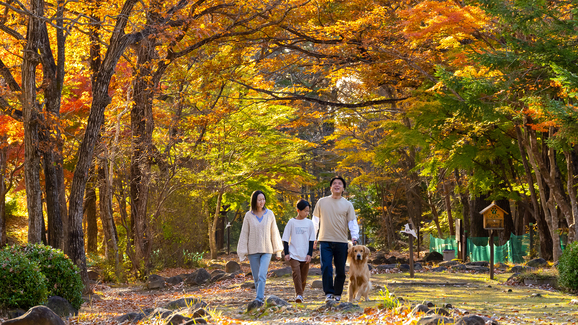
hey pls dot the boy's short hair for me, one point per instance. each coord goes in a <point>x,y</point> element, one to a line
<point>339,178</point>
<point>302,204</point>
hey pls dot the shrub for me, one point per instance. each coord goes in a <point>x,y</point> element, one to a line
<point>568,267</point>
<point>62,276</point>
<point>22,285</point>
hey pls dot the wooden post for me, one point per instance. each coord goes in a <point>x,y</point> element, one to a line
<point>411,274</point>
<point>228,238</point>
<point>492,254</point>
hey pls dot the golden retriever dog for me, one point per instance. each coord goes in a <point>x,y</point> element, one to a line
<point>359,284</point>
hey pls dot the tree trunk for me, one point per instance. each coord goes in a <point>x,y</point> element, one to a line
<point>476,219</point>
<point>105,200</point>
<point>3,192</point>
<point>90,218</point>
<point>543,230</point>
<point>449,209</point>
<point>571,185</point>
<point>213,227</point>
<point>465,201</point>
<point>31,112</point>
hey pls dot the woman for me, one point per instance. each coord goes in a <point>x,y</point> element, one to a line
<point>259,239</point>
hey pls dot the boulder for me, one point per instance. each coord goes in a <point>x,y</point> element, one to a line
<point>386,267</point>
<point>250,285</point>
<point>13,313</point>
<point>537,262</point>
<point>439,269</point>
<point>479,263</point>
<point>433,257</point>
<point>479,269</point>
<point>198,277</point>
<point>275,301</point>
<point>155,282</point>
<point>347,307</point>
<point>471,320</point>
<point>222,276</point>
<point>215,266</point>
<point>434,320</point>
<point>183,302</point>
<point>519,269</point>
<point>281,272</point>
<point>254,305</point>
<point>199,312</point>
<point>315,271</point>
<point>370,267</point>
<point>61,306</point>
<point>39,315</point>
<point>419,309</point>
<point>132,317</point>
<point>215,272</point>
<point>458,267</point>
<point>93,275</point>
<point>232,267</point>
<point>196,321</point>
<point>380,259</point>
<point>439,311</point>
<point>174,280</point>
<point>317,284</point>
<point>160,312</point>
<point>448,263</point>
<point>177,319</point>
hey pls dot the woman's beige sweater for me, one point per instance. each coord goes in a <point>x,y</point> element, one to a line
<point>259,237</point>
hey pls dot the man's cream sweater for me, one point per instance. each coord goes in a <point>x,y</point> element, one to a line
<point>259,237</point>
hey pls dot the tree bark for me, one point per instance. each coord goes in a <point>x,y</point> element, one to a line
<point>106,217</point>
<point>465,201</point>
<point>31,112</point>
<point>213,227</point>
<point>476,219</point>
<point>449,209</point>
<point>90,219</point>
<point>3,192</point>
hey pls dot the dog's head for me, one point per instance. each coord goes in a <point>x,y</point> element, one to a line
<point>358,253</point>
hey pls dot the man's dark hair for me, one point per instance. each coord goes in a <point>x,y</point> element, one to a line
<point>254,197</point>
<point>339,178</point>
<point>301,205</point>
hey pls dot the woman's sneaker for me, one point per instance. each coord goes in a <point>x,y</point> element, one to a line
<point>299,299</point>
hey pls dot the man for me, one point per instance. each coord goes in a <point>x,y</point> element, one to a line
<point>332,216</point>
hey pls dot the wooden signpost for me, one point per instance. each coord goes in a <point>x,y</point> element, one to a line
<point>409,231</point>
<point>493,220</point>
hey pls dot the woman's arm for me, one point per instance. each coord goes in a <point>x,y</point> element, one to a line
<point>243,244</point>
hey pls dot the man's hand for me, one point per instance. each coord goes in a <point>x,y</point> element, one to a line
<point>308,259</point>
<point>315,245</point>
<point>354,242</point>
<point>287,257</point>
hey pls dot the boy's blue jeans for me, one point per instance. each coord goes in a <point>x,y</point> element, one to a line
<point>330,251</point>
<point>259,266</point>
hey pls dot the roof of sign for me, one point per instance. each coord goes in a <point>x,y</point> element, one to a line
<point>491,206</point>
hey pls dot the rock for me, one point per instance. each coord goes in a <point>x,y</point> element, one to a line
<point>254,305</point>
<point>439,269</point>
<point>38,315</point>
<point>417,266</point>
<point>132,317</point>
<point>183,302</point>
<point>439,311</point>
<point>198,277</point>
<point>275,301</point>
<point>221,277</point>
<point>216,272</point>
<point>386,267</point>
<point>347,307</point>
<point>501,266</point>
<point>250,285</point>
<point>155,282</point>
<point>61,307</point>
<point>518,269</point>
<point>370,267</point>
<point>177,319</point>
<point>471,320</point>
<point>448,306</point>
<point>458,267</point>
<point>429,304</point>
<point>448,263</point>
<point>480,269</point>
<point>160,312</point>
<point>174,280</point>
<point>215,266</point>
<point>434,320</point>
<point>315,271</point>
<point>196,321</point>
<point>13,313</point>
<point>404,268</point>
<point>232,266</point>
<point>199,312</point>
<point>433,257</point>
<point>281,272</point>
<point>479,263</point>
<point>317,284</point>
<point>537,262</point>
<point>419,309</point>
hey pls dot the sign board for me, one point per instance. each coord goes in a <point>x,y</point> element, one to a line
<point>493,217</point>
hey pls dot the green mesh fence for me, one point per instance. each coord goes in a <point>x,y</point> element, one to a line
<point>478,248</point>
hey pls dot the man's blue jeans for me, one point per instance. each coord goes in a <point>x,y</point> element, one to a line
<point>333,251</point>
<point>259,266</point>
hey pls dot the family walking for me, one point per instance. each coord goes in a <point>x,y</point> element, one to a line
<point>333,217</point>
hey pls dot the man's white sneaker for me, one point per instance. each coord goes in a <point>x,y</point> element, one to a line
<point>299,299</point>
<point>329,297</point>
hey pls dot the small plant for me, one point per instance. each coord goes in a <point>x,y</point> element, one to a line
<point>22,285</point>
<point>568,267</point>
<point>192,258</point>
<point>388,300</point>
<point>62,276</point>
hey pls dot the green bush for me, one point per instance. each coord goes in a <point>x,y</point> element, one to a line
<point>22,285</point>
<point>62,276</point>
<point>568,267</point>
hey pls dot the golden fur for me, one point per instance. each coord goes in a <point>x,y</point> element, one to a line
<point>359,276</point>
